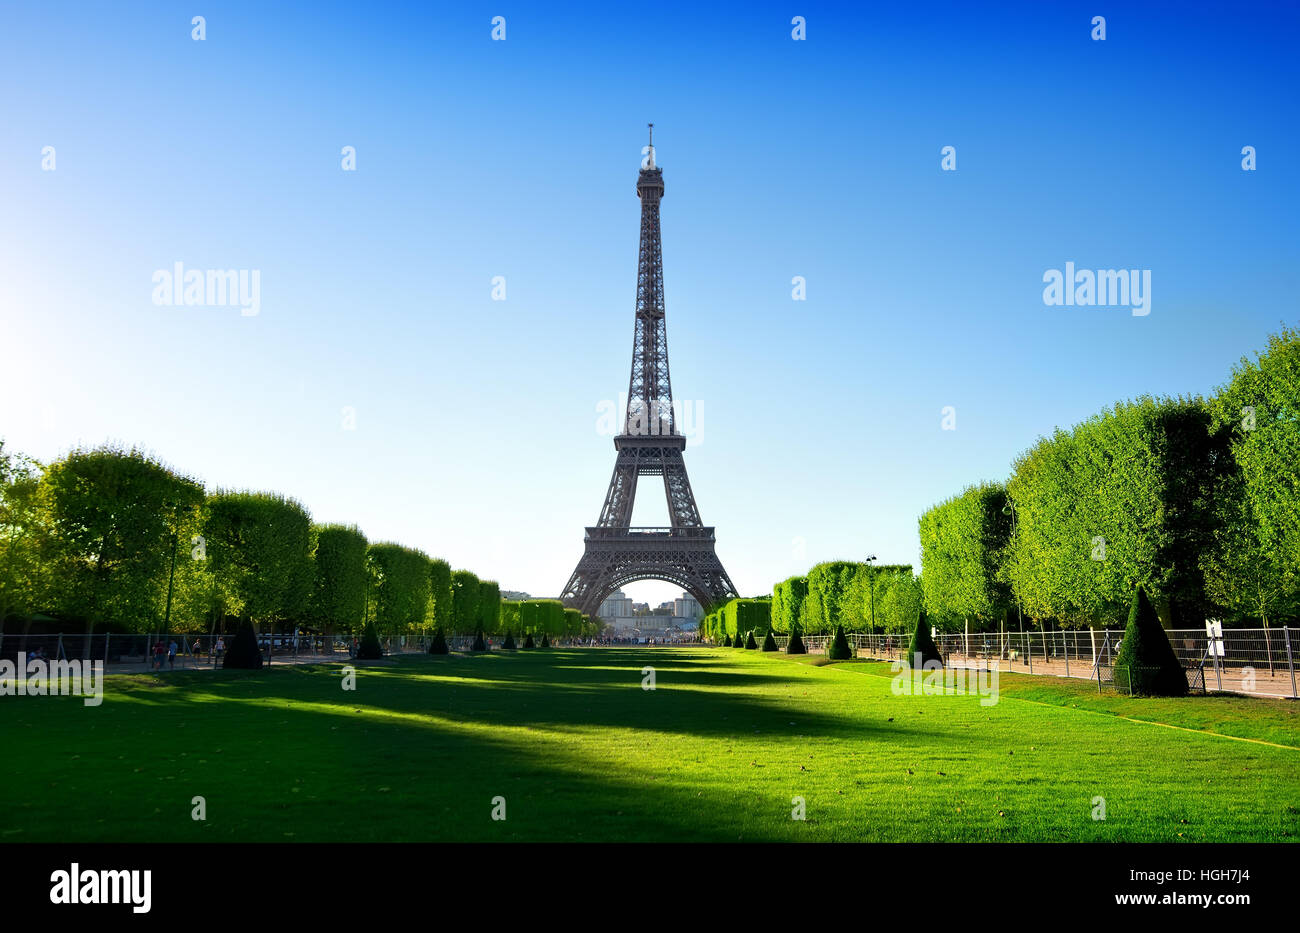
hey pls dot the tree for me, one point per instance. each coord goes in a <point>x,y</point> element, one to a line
<point>830,602</point>
<point>110,519</point>
<point>338,592</point>
<point>769,643</point>
<point>243,653</point>
<point>795,645</point>
<point>439,643</point>
<point>465,619</point>
<point>839,649</point>
<point>964,542</point>
<point>399,588</point>
<point>258,549</point>
<point>1259,409</point>
<point>488,607</point>
<point>788,599</point>
<point>369,649</point>
<point>1123,499</point>
<point>440,594</point>
<point>922,649</point>
<point>1146,664</point>
<point>22,585</point>
<point>750,644</point>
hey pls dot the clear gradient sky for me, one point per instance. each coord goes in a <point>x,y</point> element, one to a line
<point>818,428</point>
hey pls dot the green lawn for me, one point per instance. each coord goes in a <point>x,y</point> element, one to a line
<point>581,752</point>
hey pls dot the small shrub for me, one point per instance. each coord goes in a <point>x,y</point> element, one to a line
<point>750,644</point>
<point>243,654</point>
<point>479,643</point>
<point>370,649</point>
<point>528,641</point>
<point>769,643</point>
<point>1146,664</point>
<point>795,644</point>
<point>509,643</point>
<point>839,649</point>
<point>922,643</point>
<point>439,643</point>
<point>546,642</point>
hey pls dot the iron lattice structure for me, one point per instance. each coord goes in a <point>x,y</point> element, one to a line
<point>616,552</point>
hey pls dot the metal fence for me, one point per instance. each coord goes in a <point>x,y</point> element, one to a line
<point>141,653</point>
<point>1254,661</point>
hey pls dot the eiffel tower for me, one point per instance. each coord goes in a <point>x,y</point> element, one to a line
<point>616,552</point>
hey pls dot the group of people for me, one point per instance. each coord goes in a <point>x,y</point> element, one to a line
<point>161,652</point>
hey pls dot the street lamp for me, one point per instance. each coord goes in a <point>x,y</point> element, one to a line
<point>1010,509</point>
<point>871,591</point>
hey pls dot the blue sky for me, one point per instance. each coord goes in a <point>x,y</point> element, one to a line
<point>818,423</point>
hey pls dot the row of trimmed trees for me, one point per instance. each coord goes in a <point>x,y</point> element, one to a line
<point>109,539</point>
<point>1195,500</point>
<point>861,597</point>
<point>858,597</point>
<point>546,617</point>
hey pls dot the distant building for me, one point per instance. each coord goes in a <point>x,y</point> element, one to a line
<point>514,594</point>
<point>616,612</point>
<point>686,606</point>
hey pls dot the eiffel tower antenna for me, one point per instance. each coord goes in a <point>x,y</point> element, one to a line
<point>615,552</point>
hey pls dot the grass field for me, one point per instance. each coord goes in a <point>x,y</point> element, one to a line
<point>581,752</point>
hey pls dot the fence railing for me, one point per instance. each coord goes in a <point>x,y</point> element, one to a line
<point>1254,661</point>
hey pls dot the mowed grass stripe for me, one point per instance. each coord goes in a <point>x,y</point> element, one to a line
<point>580,751</point>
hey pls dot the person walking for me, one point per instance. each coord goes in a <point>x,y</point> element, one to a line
<point>171,655</point>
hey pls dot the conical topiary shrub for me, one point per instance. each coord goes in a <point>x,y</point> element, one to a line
<point>739,642</point>
<point>769,643</point>
<point>439,643</point>
<point>546,642</point>
<point>1146,664</point>
<point>243,654</point>
<point>922,644</point>
<point>528,641</point>
<point>839,649</point>
<point>509,643</point>
<point>479,643</point>
<point>370,648</point>
<point>795,644</point>
<point>750,644</point>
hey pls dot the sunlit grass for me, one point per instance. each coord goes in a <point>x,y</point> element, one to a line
<point>580,751</point>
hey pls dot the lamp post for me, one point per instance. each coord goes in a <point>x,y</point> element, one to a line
<point>871,592</point>
<point>1010,509</point>
<point>171,574</point>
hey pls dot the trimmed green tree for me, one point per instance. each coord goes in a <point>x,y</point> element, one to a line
<point>750,644</point>
<point>1146,664</point>
<point>769,643</point>
<point>528,641</point>
<point>795,645</point>
<point>839,649</point>
<point>243,653</point>
<point>370,649</point>
<point>921,649</point>
<point>479,643</point>
<point>439,643</point>
<point>509,643</point>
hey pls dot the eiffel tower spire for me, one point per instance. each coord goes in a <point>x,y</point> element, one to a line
<point>615,552</point>
<point>650,391</point>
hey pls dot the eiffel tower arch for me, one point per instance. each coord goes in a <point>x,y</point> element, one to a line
<point>615,552</point>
